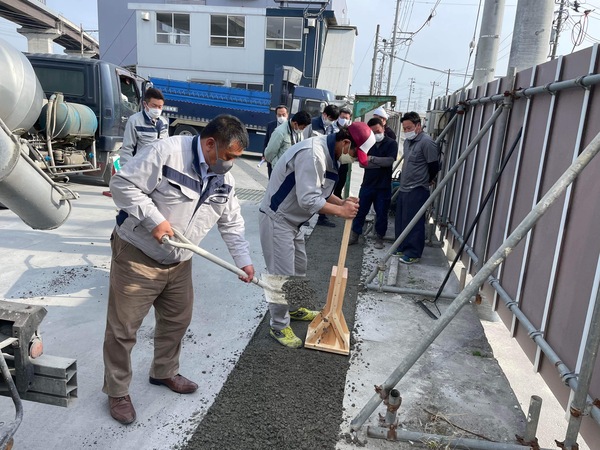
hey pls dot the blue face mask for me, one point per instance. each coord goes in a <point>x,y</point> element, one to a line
<point>221,166</point>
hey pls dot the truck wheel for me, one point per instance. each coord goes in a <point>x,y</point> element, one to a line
<point>185,130</point>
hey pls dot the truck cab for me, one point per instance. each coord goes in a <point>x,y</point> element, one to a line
<point>111,92</point>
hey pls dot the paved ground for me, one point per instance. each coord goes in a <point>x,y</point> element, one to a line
<point>457,385</point>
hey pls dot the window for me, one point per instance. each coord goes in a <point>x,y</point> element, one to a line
<point>54,79</point>
<point>248,86</point>
<point>284,33</point>
<point>227,31</point>
<point>130,96</point>
<point>173,28</point>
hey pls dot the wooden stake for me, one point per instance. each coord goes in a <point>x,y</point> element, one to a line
<point>328,331</point>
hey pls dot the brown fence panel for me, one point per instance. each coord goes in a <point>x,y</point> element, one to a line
<point>553,274</point>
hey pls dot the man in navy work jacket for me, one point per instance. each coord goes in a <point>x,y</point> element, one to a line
<point>180,182</point>
<point>320,126</point>
<point>376,187</point>
<point>301,185</point>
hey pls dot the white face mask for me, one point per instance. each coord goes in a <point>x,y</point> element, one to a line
<point>343,122</point>
<point>410,135</point>
<point>345,158</point>
<point>326,122</point>
<point>281,119</point>
<point>379,137</point>
<point>154,113</point>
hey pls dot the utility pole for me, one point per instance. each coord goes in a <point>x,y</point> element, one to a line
<point>81,36</point>
<point>433,85</point>
<point>374,66</point>
<point>448,83</point>
<point>557,29</point>
<point>531,34</point>
<point>410,91</point>
<point>393,52</point>
<point>381,69</point>
<point>489,37</point>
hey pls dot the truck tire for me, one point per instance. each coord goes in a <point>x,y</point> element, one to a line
<point>185,130</point>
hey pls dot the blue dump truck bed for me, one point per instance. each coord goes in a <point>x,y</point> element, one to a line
<point>195,104</point>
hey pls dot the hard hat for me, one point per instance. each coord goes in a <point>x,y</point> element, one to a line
<point>381,113</point>
<point>363,139</point>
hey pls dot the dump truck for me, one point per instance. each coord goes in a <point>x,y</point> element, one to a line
<point>189,106</point>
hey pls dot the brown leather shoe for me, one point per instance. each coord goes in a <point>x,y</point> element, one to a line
<point>121,409</point>
<point>178,383</point>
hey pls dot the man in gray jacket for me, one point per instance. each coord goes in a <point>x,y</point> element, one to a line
<point>179,182</point>
<point>284,136</point>
<point>301,185</point>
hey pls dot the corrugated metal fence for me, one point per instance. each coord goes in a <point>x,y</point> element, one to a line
<point>551,114</point>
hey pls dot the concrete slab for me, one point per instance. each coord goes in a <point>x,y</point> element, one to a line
<point>66,271</point>
<point>458,380</point>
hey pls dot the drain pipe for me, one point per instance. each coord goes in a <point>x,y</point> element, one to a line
<point>436,193</point>
<point>536,335</point>
<point>480,277</point>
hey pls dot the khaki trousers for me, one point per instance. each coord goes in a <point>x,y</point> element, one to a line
<point>137,282</point>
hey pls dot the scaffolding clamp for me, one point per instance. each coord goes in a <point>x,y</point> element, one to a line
<point>579,82</point>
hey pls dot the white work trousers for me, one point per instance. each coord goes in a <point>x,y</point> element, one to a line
<point>284,251</point>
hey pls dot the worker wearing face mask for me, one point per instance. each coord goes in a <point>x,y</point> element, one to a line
<point>376,187</point>
<point>344,120</point>
<point>301,185</point>
<point>144,127</point>
<point>288,133</point>
<point>421,165</point>
<point>320,126</point>
<point>180,182</point>
<point>281,115</point>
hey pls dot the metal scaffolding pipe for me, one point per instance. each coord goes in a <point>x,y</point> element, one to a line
<point>426,439</point>
<point>533,418</point>
<point>9,430</point>
<point>480,277</point>
<point>550,88</point>
<point>590,352</point>
<point>480,239</point>
<point>417,292</point>
<point>565,373</point>
<point>436,192</point>
<point>394,402</point>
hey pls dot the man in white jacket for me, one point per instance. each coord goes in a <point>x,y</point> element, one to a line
<point>180,182</point>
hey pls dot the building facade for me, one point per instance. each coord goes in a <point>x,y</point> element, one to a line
<point>229,43</point>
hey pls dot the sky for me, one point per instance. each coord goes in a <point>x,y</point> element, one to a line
<point>440,44</point>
